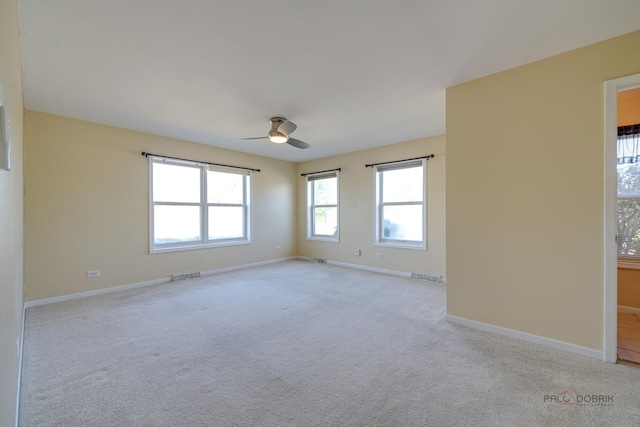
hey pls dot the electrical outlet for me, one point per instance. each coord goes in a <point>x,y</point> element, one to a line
<point>357,252</point>
<point>380,255</point>
<point>278,248</point>
<point>93,273</point>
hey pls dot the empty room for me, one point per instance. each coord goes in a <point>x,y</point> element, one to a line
<point>314,213</point>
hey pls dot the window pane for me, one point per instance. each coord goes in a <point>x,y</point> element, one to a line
<point>402,185</point>
<point>172,183</point>
<point>325,191</point>
<point>402,222</point>
<point>325,221</point>
<point>226,222</point>
<point>629,179</point>
<point>629,227</point>
<point>224,187</point>
<point>176,224</point>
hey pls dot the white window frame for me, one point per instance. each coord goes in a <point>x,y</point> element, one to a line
<point>624,257</point>
<point>311,205</point>
<point>379,239</point>
<point>204,205</point>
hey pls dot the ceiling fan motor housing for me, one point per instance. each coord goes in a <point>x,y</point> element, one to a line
<point>274,134</point>
<point>276,122</point>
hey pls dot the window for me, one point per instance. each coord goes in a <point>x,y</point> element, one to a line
<point>629,210</point>
<point>628,191</point>
<point>322,201</point>
<point>400,204</point>
<point>195,205</point>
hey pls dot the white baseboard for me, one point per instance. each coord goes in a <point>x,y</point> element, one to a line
<point>524,336</point>
<point>103,291</point>
<point>78,295</point>
<point>244,266</point>
<point>625,309</point>
<point>24,310</point>
<point>367,268</point>
<point>361,267</point>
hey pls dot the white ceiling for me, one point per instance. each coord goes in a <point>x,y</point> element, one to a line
<point>351,74</point>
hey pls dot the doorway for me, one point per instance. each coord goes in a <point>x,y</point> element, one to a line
<point>612,340</point>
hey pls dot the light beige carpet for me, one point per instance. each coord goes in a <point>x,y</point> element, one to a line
<point>298,344</point>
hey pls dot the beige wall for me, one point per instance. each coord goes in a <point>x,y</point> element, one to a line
<point>357,209</point>
<point>525,193</point>
<point>86,207</point>
<point>629,288</point>
<point>11,213</point>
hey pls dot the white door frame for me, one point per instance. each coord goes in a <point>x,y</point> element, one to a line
<point>611,89</point>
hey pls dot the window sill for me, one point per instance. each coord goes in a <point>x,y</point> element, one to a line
<point>325,239</point>
<point>415,247</point>
<point>629,264</point>
<point>162,250</point>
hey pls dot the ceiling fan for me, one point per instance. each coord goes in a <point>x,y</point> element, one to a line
<point>279,133</point>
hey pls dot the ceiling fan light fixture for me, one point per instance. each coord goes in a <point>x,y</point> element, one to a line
<point>278,138</point>
<point>281,128</point>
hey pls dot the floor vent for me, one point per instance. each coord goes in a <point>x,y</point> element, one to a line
<point>428,277</point>
<point>318,260</point>
<point>178,277</point>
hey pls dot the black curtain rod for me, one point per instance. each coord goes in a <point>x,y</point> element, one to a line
<point>198,161</point>
<point>313,173</point>
<point>430,156</point>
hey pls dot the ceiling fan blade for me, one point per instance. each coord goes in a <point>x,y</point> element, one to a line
<point>297,143</point>
<point>287,127</point>
<point>255,137</point>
